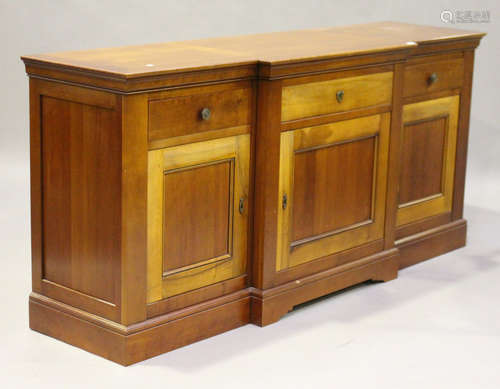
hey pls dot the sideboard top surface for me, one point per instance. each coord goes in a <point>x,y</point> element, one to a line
<point>271,48</point>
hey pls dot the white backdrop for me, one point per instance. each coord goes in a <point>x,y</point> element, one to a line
<point>448,337</point>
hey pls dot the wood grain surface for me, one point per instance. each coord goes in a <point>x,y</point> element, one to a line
<point>272,48</point>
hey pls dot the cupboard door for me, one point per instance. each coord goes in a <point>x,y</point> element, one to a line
<point>197,215</point>
<point>427,159</point>
<point>332,188</point>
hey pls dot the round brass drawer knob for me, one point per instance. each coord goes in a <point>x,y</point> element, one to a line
<point>432,78</point>
<point>205,113</point>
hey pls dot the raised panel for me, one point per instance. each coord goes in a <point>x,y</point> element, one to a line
<point>427,159</point>
<point>197,214</point>
<point>423,157</point>
<point>81,177</point>
<point>332,187</point>
<point>334,177</point>
<point>197,231</point>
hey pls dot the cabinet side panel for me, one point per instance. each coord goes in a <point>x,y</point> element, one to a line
<point>35,187</point>
<point>463,136</point>
<point>267,159</point>
<point>75,146</point>
<point>81,191</point>
<point>134,207</point>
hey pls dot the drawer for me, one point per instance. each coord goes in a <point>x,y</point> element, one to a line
<point>331,96</point>
<point>433,75</point>
<point>187,115</point>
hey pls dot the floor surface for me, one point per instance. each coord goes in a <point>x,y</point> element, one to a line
<point>436,326</point>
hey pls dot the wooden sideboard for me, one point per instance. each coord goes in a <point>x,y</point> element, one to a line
<point>181,190</point>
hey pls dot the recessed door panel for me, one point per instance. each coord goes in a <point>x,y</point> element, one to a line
<point>197,215</point>
<point>422,159</point>
<point>325,197</point>
<point>332,188</point>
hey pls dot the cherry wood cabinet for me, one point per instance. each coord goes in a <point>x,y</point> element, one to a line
<point>184,189</point>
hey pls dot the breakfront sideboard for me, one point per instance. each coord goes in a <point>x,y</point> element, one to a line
<point>184,189</point>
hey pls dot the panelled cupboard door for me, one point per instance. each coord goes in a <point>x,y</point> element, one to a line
<point>197,215</point>
<point>332,188</point>
<point>428,159</point>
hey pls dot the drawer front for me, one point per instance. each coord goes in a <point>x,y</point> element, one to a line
<point>331,96</point>
<point>433,76</point>
<point>187,115</point>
